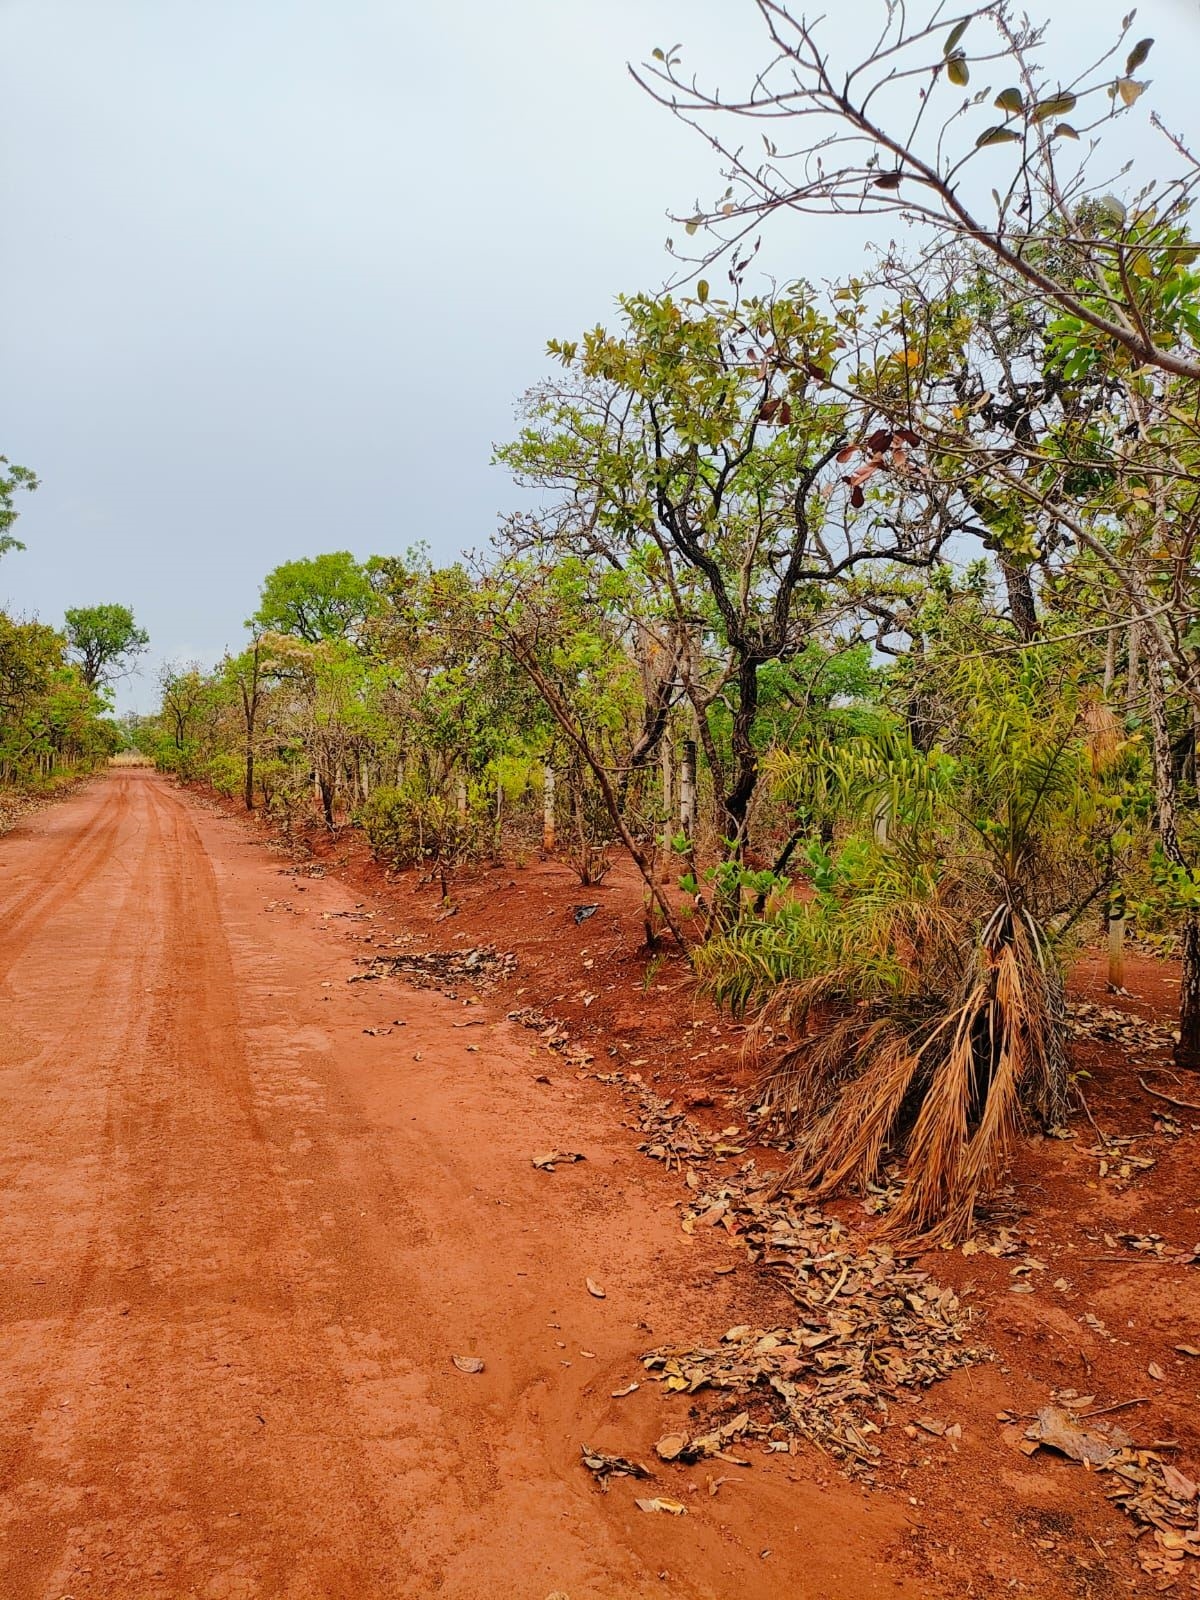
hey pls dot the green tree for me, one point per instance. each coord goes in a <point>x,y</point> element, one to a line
<point>105,641</point>
<point>316,598</point>
<point>12,480</point>
<point>693,451</point>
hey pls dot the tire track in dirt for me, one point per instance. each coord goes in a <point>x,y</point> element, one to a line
<point>64,875</point>
<point>119,970</point>
<point>242,1240</point>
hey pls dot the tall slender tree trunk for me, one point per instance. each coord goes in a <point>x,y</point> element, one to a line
<point>1116,942</point>
<point>1110,662</point>
<point>548,807</point>
<point>687,802</point>
<point>1133,668</point>
<point>1187,1051</point>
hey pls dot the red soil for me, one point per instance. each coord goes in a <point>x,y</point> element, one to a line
<point>243,1239</point>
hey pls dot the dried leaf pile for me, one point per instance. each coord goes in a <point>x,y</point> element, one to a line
<point>1113,1025</point>
<point>869,1329</point>
<point>1158,1497</point>
<point>448,970</point>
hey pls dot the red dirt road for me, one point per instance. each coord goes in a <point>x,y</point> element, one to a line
<point>241,1240</point>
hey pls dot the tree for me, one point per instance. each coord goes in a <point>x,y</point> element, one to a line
<point>1091,439</point>
<point>12,479</point>
<point>692,451</point>
<point>186,698</point>
<point>317,598</point>
<point>891,133</point>
<point>105,640</point>
<point>245,675</point>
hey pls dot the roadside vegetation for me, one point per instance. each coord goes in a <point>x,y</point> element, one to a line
<point>861,617</point>
<point>55,716</point>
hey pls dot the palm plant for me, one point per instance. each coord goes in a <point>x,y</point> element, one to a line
<point>919,991</point>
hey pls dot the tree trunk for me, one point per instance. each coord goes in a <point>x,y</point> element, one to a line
<point>1187,1051</point>
<point>745,757</point>
<point>687,792</point>
<point>548,808</point>
<point>1110,662</point>
<point>1133,670</point>
<point>1116,944</point>
<point>1022,607</point>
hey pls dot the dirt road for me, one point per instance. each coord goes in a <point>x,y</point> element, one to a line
<point>241,1241</point>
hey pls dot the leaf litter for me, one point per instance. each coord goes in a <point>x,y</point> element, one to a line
<point>1153,1493</point>
<point>870,1329</point>
<point>481,969</point>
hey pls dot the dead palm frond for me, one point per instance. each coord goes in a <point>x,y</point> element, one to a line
<point>939,1080</point>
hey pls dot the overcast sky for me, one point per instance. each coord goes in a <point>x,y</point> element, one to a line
<point>275,271</point>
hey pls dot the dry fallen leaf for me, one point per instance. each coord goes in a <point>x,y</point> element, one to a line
<point>672,1507</point>
<point>468,1363</point>
<point>604,1466</point>
<point>619,1394</point>
<point>547,1159</point>
<point>1187,1350</point>
<point>1156,1371</point>
<point>1178,1483</point>
<point>594,1288</point>
<point>1059,1430</point>
<point>671,1446</point>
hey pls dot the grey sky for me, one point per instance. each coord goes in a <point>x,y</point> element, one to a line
<point>275,271</point>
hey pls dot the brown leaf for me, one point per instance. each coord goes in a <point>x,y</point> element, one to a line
<point>1187,1350</point>
<point>1156,1371</point>
<point>619,1394</point>
<point>1058,1431</point>
<point>593,1288</point>
<point>606,1466</point>
<point>1178,1483</point>
<point>671,1446</point>
<point>468,1363</point>
<point>673,1508</point>
<point>546,1161</point>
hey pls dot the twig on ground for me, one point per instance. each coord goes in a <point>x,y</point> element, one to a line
<point>1121,1405</point>
<point>1172,1100</point>
<point>1087,1111</point>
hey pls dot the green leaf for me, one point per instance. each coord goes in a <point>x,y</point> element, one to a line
<point>690,227</point>
<point>1137,55</point>
<point>955,34</point>
<point>659,55</point>
<point>702,290</point>
<point>1057,106</point>
<point>1113,209</point>
<point>997,135</point>
<point>957,70</point>
<point>1010,100</point>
